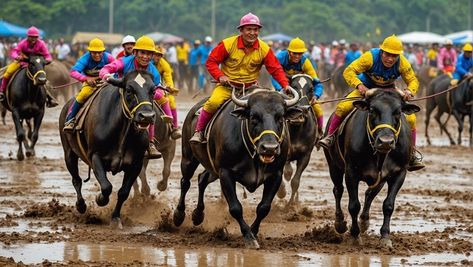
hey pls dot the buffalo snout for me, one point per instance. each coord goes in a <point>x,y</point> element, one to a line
<point>144,118</point>
<point>268,151</point>
<point>385,143</point>
<point>41,79</point>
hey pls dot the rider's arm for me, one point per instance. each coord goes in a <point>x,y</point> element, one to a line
<point>408,75</point>
<point>358,66</point>
<point>459,67</point>
<point>77,71</point>
<point>308,69</point>
<point>217,56</point>
<point>276,85</point>
<point>156,76</point>
<point>274,68</point>
<point>16,52</point>
<point>110,68</point>
<point>43,50</point>
<point>165,69</point>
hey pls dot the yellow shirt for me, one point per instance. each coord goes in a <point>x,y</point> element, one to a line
<point>183,53</point>
<point>165,71</point>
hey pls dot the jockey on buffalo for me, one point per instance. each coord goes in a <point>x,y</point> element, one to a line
<point>142,59</point>
<point>464,64</point>
<point>447,58</point>
<point>294,61</point>
<point>128,43</point>
<point>377,68</point>
<point>240,59</point>
<point>26,47</point>
<point>165,70</point>
<point>86,70</point>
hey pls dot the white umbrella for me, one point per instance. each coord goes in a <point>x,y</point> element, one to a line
<point>421,38</point>
<point>461,37</point>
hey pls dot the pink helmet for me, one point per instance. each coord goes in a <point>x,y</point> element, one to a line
<point>33,32</point>
<point>249,19</point>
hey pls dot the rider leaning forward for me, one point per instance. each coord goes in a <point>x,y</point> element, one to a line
<point>240,58</point>
<point>31,45</point>
<point>378,68</point>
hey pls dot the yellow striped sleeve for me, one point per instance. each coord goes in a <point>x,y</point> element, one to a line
<point>358,66</point>
<point>308,69</point>
<point>166,72</point>
<point>408,75</point>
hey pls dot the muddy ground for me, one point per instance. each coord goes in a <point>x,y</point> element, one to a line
<point>432,223</point>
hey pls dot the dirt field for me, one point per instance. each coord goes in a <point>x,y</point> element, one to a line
<point>432,223</point>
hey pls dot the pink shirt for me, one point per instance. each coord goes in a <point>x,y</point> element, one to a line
<point>446,57</point>
<point>38,48</point>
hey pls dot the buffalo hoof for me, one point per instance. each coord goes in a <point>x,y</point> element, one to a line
<point>178,217</point>
<point>116,224</point>
<point>162,185</point>
<point>20,156</point>
<point>101,200</point>
<point>81,206</point>
<point>355,241</point>
<point>198,217</point>
<point>282,191</point>
<point>386,242</point>
<point>252,244</point>
<point>364,225</point>
<point>341,227</point>
<point>30,153</point>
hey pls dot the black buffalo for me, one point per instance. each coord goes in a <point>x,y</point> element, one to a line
<point>458,102</point>
<point>114,137</point>
<point>303,135</point>
<point>248,144</point>
<point>373,147</point>
<point>26,99</point>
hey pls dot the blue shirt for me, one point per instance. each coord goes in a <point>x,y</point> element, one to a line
<point>379,71</point>
<point>463,66</point>
<point>129,65</point>
<point>204,52</point>
<point>351,56</point>
<point>86,63</point>
<point>194,56</point>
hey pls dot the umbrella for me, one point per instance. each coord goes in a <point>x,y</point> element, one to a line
<point>9,30</point>
<point>277,37</point>
<point>421,38</point>
<point>162,37</point>
<point>461,37</point>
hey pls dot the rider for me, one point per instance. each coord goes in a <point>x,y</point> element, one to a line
<point>165,70</point>
<point>86,70</point>
<point>143,53</point>
<point>240,58</point>
<point>379,67</point>
<point>31,45</point>
<point>464,64</point>
<point>128,43</point>
<point>294,61</point>
<point>447,58</point>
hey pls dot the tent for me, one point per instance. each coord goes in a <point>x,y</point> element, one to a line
<point>460,37</point>
<point>11,30</point>
<point>162,37</point>
<point>107,38</point>
<point>421,38</point>
<point>277,37</point>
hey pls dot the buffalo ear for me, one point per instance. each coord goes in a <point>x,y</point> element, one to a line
<point>293,113</point>
<point>409,108</point>
<point>116,82</point>
<point>240,113</point>
<point>361,104</point>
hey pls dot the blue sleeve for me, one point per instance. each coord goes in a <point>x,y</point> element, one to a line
<point>81,63</point>
<point>276,85</point>
<point>156,76</point>
<point>459,68</point>
<point>318,88</point>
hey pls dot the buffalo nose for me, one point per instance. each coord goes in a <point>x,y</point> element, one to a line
<point>386,142</point>
<point>146,116</point>
<point>269,148</point>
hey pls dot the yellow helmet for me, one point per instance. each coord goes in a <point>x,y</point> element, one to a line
<point>296,46</point>
<point>160,50</point>
<point>467,48</point>
<point>144,43</point>
<point>392,45</point>
<point>96,45</point>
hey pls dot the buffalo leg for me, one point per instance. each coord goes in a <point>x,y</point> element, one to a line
<point>122,195</point>
<point>71,160</point>
<point>188,167</point>
<point>460,120</point>
<point>337,179</point>
<point>105,185</point>
<point>370,194</point>
<point>428,110</point>
<point>145,189</point>
<point>234,206</point>
<point>394,185</point>
<point>442,126</point>
<point>167,160</point>
<point>34,136</point>
<point>295,182</point>
<point>20,134</point>
<point>205,178</point>
<point>353,202</point>
<point>271,185</point>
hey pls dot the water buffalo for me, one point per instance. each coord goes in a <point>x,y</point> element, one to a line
<point>303,135</point>
<point>114,137</point>
<point>26,98</point>
<point>374,147</point>
<point>247,144</point>
<point>457,102</point>
<point>167,146</point>
<point>340,86</point>
<point>58,76</point>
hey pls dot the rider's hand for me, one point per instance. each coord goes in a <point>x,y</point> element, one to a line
<point>314,100</point>
<point>408,95</point>
<point>224,80</point>
<point>468,75</point>
<point>362,88</point>
<point>91,81</point>
<point>173,90</point>
<point>21,57</point>
<point>287,89</point>
<point>106,76</point>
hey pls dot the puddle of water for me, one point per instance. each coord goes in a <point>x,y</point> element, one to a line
<point>123,253</point>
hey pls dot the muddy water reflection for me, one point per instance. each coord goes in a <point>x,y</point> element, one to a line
<point>123,253</point>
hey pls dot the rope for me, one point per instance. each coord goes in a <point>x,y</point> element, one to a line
<point>64,85</point>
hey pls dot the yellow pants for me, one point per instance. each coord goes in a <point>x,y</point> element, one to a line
<point>85,92</point>
<point>218,97</point>
<point>345,106</point>
<point>172,101</point>
<point>317,110</point>
<point>12,68</point>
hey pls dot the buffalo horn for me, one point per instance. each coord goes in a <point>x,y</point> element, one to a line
<point>293,101</point>
<point>237,101</point>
